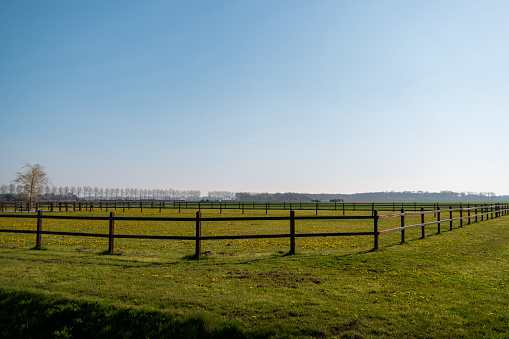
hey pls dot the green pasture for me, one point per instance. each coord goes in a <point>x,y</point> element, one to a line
<point>452,284</point>
<point>179,248</point>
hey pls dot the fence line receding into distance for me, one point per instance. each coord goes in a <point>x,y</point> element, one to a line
<point>494,211</point>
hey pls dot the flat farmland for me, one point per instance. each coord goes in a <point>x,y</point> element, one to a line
<point>452,284</point>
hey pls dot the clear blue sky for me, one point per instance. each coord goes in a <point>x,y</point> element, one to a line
<point>262,96</point>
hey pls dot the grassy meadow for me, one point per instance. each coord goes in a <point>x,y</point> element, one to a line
<point>452,284</point>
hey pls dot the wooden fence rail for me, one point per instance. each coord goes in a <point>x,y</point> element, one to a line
<point>496,210</point>
<point>241,205</point>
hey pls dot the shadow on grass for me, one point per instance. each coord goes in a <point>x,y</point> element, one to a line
<point>38,249</point>
<point>25,314</point>
<point>106,252</point>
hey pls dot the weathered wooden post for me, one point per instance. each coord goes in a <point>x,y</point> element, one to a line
<point>403,225</point>
<point>461,215</point>
<point>38,238</point>
<point>111,233</point>
<point>292,232</point>
<point>375,229</point>
<point>438,219</point>
<point>198,234</point>
<point>468,212</point>
<point>423,228</point>
<point>450,217</point>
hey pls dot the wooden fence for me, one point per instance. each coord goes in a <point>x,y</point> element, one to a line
<point>239,205</point>
<point>479,214</point>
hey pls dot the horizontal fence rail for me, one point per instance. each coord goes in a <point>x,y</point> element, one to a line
<point>493,211</point>
<point>224,205</point>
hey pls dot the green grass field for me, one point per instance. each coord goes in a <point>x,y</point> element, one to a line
<point>449,285</point>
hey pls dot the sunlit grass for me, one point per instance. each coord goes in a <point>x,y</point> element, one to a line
<point>335,244</point>
<point>448,285</point>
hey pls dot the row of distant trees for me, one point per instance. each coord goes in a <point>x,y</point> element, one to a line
<point>18,192</point>
<point>32,182</point>
<point>375,196</point>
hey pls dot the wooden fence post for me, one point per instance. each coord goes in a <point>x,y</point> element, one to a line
<point>292,232</point>
<point>468,211</point>
<point>111,239</point>
<point>423,230</point>
<point>316,209</point>
<point>266,207</point>
<point>450,217</point>
<point>38,238</point>
<point>438,219</point>
<point>403,225</point>
<point>198,234</point>
<point>375,229</point>
<point>461,215</point>
<point>141,207</point>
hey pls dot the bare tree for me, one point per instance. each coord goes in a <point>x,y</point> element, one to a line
<point>19,189</point>
<point>61,192</point>
<point>12,189</point>
<point>47,191</point>
<point>32,179</point>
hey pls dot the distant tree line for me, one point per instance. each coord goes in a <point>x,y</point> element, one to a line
<point>17,192</point>
<point>375,196</point>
